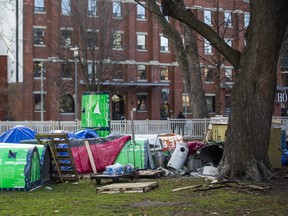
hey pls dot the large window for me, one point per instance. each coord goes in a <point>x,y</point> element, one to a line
<point>66,7</point>
<point>117,12</point>
<point>38,68</point>
<point>229,74</point>
<point>207,47</point>
<point>164,73</point>
<point>210,99</point>
<point>39,36</point>
<point>67,104</point>
<point>246,19</point>
<point>141,12</point>
<point>90,70</point>
<point>207,17</point>
<point>141,72</point>
<point>209,75</point>
<point>229,41</point>
<point>117,72</point>
<point>141,41</point>
<point>66,70</point>
<point>39,5</point>
<point>164,47</point>
<point>92,7</point>
<point>91,39</point>
<point>142,102</point>
<point>66,37</point>
<point>37,101</point>
<point>117,40</point>
<point>186,103</point>
<point>228,21</point>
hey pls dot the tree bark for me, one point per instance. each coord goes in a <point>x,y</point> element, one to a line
<point>252,101</point>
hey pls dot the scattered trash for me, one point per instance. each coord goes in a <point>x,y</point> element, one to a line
<point>48,188</point>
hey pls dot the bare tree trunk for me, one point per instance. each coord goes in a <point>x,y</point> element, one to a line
<point>246,146</point>
<point>252,100</point>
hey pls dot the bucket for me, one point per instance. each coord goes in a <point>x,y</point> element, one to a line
<point>179,156</point>
<point>194,162</point>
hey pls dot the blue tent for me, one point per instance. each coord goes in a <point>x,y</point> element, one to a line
<point>17,134</point>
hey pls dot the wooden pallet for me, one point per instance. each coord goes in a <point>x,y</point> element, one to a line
<point>151,173</point>
<point>62,160</point>
<point>139,187</point>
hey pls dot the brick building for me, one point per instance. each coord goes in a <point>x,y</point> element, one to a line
<point>144,74</point>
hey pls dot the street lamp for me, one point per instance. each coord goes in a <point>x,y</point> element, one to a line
<point>42,96</point>
<point>76,54</point>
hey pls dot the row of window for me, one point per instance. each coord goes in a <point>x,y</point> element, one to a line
<point>92,39</point>
<point>228,18</point>
<point>66,9</point>
<point>39,67</point>
<point>67,103</point>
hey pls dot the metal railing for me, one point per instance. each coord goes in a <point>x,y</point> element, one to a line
<point>189,128</point>
<point>192,128</point>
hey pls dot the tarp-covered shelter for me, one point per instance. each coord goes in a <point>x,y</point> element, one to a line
<point>104,152</point>
<point>17,134</point>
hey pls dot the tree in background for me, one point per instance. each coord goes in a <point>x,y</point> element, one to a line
<point>187,58</point>
<point>252,100</point>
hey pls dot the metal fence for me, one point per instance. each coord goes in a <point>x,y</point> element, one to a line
<point>189,128</point>
<point>192,128</point>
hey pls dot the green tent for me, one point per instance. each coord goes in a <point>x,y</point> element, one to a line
<point>19,167</point>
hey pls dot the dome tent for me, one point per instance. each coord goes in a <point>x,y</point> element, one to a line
<point>17,133</point>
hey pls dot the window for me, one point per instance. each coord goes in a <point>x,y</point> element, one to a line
<point>92,7</point>
<point>67,104</point>
<point>164,73</point>
<point>66,70</point>
<point>208,74</point>
<point>207,47</point>
<point>140,12</point>
<point>142,102</point>
<point>66,37</point>
<point>207,17</point>
<point>117,72</point>
<point>66,7</point>
<point>228,41</point>
<point>117,9</point>
<point>91,39</point>
<point>39,6</point>
<point>164,44</point>
<point>90,70</point>
<point>117,40</point>
<point>141,72</point>
<point>39,36</point>
<point>166,17</point>
<point>38,68</point>
<point>186,103</point>
<point>210,99</point>
<point>246,19</point>
<point>37,101</point>
<point>141,42</point>
<point>229,74</point>
<point>228,19</point>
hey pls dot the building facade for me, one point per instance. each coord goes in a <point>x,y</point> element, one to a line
<point>71,47</point>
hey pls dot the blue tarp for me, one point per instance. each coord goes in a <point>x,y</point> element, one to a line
<point>85,133</point>
<point>17,134</point>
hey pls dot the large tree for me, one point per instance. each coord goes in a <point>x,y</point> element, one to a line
<point>252,101</point>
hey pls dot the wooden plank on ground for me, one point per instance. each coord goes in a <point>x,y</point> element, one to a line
<point>151,173</point>
<point>139,187</point>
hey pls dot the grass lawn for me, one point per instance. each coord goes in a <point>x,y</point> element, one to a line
<point>80,198</point>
